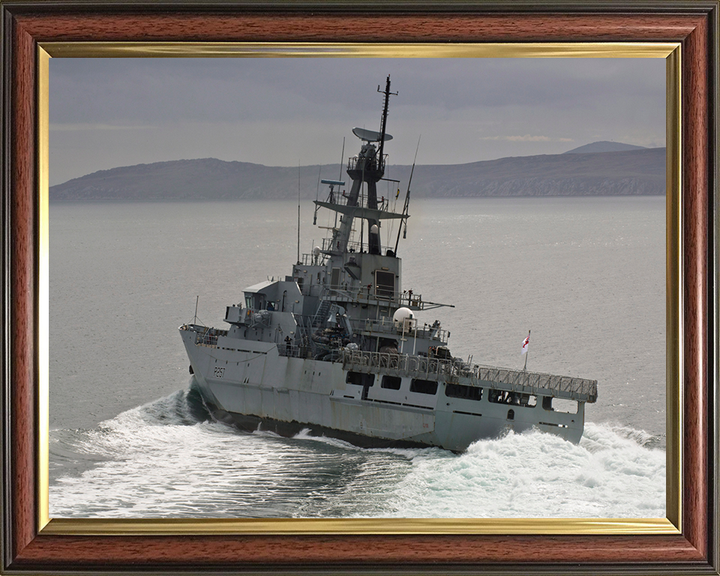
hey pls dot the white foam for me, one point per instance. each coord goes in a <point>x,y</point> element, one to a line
<point>539,475</point>
<point>152,461</point>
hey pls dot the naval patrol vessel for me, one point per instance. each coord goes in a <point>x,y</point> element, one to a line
<point>336,347</point>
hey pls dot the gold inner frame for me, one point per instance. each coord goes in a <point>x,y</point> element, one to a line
<point>674,292</point>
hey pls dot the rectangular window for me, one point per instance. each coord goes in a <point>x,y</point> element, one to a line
<point>384,284</point>
<point>560,405</point>
<point>360,378</point>
<point>391,382</point>
<point>465,392</point>
<point>513,398</point>
<point>501,397</point>
<point>424,386</point>
<point>529,400</point>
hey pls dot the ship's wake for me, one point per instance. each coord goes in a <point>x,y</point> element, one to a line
<point>608,475</point>
<point>170,459</point>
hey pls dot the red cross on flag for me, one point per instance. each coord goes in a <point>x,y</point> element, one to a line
<point>525,344</point>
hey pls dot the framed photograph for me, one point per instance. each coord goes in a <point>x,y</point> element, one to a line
<point>686,539</point>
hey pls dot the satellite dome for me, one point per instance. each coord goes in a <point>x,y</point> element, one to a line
<point>373,229</point>
<point>316,251</point>
<point>401,316</point>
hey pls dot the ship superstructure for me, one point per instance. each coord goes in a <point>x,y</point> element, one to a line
<point>335,347</point>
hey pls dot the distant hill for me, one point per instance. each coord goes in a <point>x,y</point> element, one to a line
<point>206,178</point>
<point>633,172</point>
<point>604,146</point>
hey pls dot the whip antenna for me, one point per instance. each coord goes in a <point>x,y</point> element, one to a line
<point>317,197</point>
<point>342,159</point>
<point>407,199</point>
<point>298,242</point>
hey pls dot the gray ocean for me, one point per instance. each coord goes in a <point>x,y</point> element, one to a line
<point>129,435</point>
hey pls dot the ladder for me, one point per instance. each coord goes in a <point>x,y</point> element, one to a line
<point>322,313</point>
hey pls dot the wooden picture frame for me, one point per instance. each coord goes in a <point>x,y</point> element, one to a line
<point>690,542</point>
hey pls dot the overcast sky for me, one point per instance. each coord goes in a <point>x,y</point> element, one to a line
<point>106,113</point>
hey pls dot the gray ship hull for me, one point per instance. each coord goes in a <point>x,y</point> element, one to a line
<point>258,387</point>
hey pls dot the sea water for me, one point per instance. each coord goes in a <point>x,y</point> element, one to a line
<point>130,436</point>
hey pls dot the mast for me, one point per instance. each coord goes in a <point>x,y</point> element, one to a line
<point>365,169</point>
<point>383,121</point>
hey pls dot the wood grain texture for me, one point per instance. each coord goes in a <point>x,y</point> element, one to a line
<point>696,133</point>
<point>688,552</point>
<point>22,292</point>
<point>218,552</point>
<point>330,27</point>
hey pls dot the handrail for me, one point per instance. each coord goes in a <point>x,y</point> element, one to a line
<point>387,326</point>
<point>373,163</point>
<point>406,298</point>
<point>472,374</point>
<point>204,335</point>
<point>352,247</point>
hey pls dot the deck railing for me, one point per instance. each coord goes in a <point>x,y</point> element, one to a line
<point>204,335</point>
<point>407,298</point>
<point>470,374</point>
<point>413,329</point>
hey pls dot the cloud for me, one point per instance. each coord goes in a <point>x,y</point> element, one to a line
<point>207,90</point>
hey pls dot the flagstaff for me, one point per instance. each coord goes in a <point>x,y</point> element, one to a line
<point>525,349</point>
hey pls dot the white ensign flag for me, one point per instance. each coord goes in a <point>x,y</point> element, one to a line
<point>525,344</point>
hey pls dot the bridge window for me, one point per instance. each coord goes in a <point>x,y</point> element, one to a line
<point>255,301</point>
<point>391,382</point>
<point>423,386</point>
<point>465,392</point>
